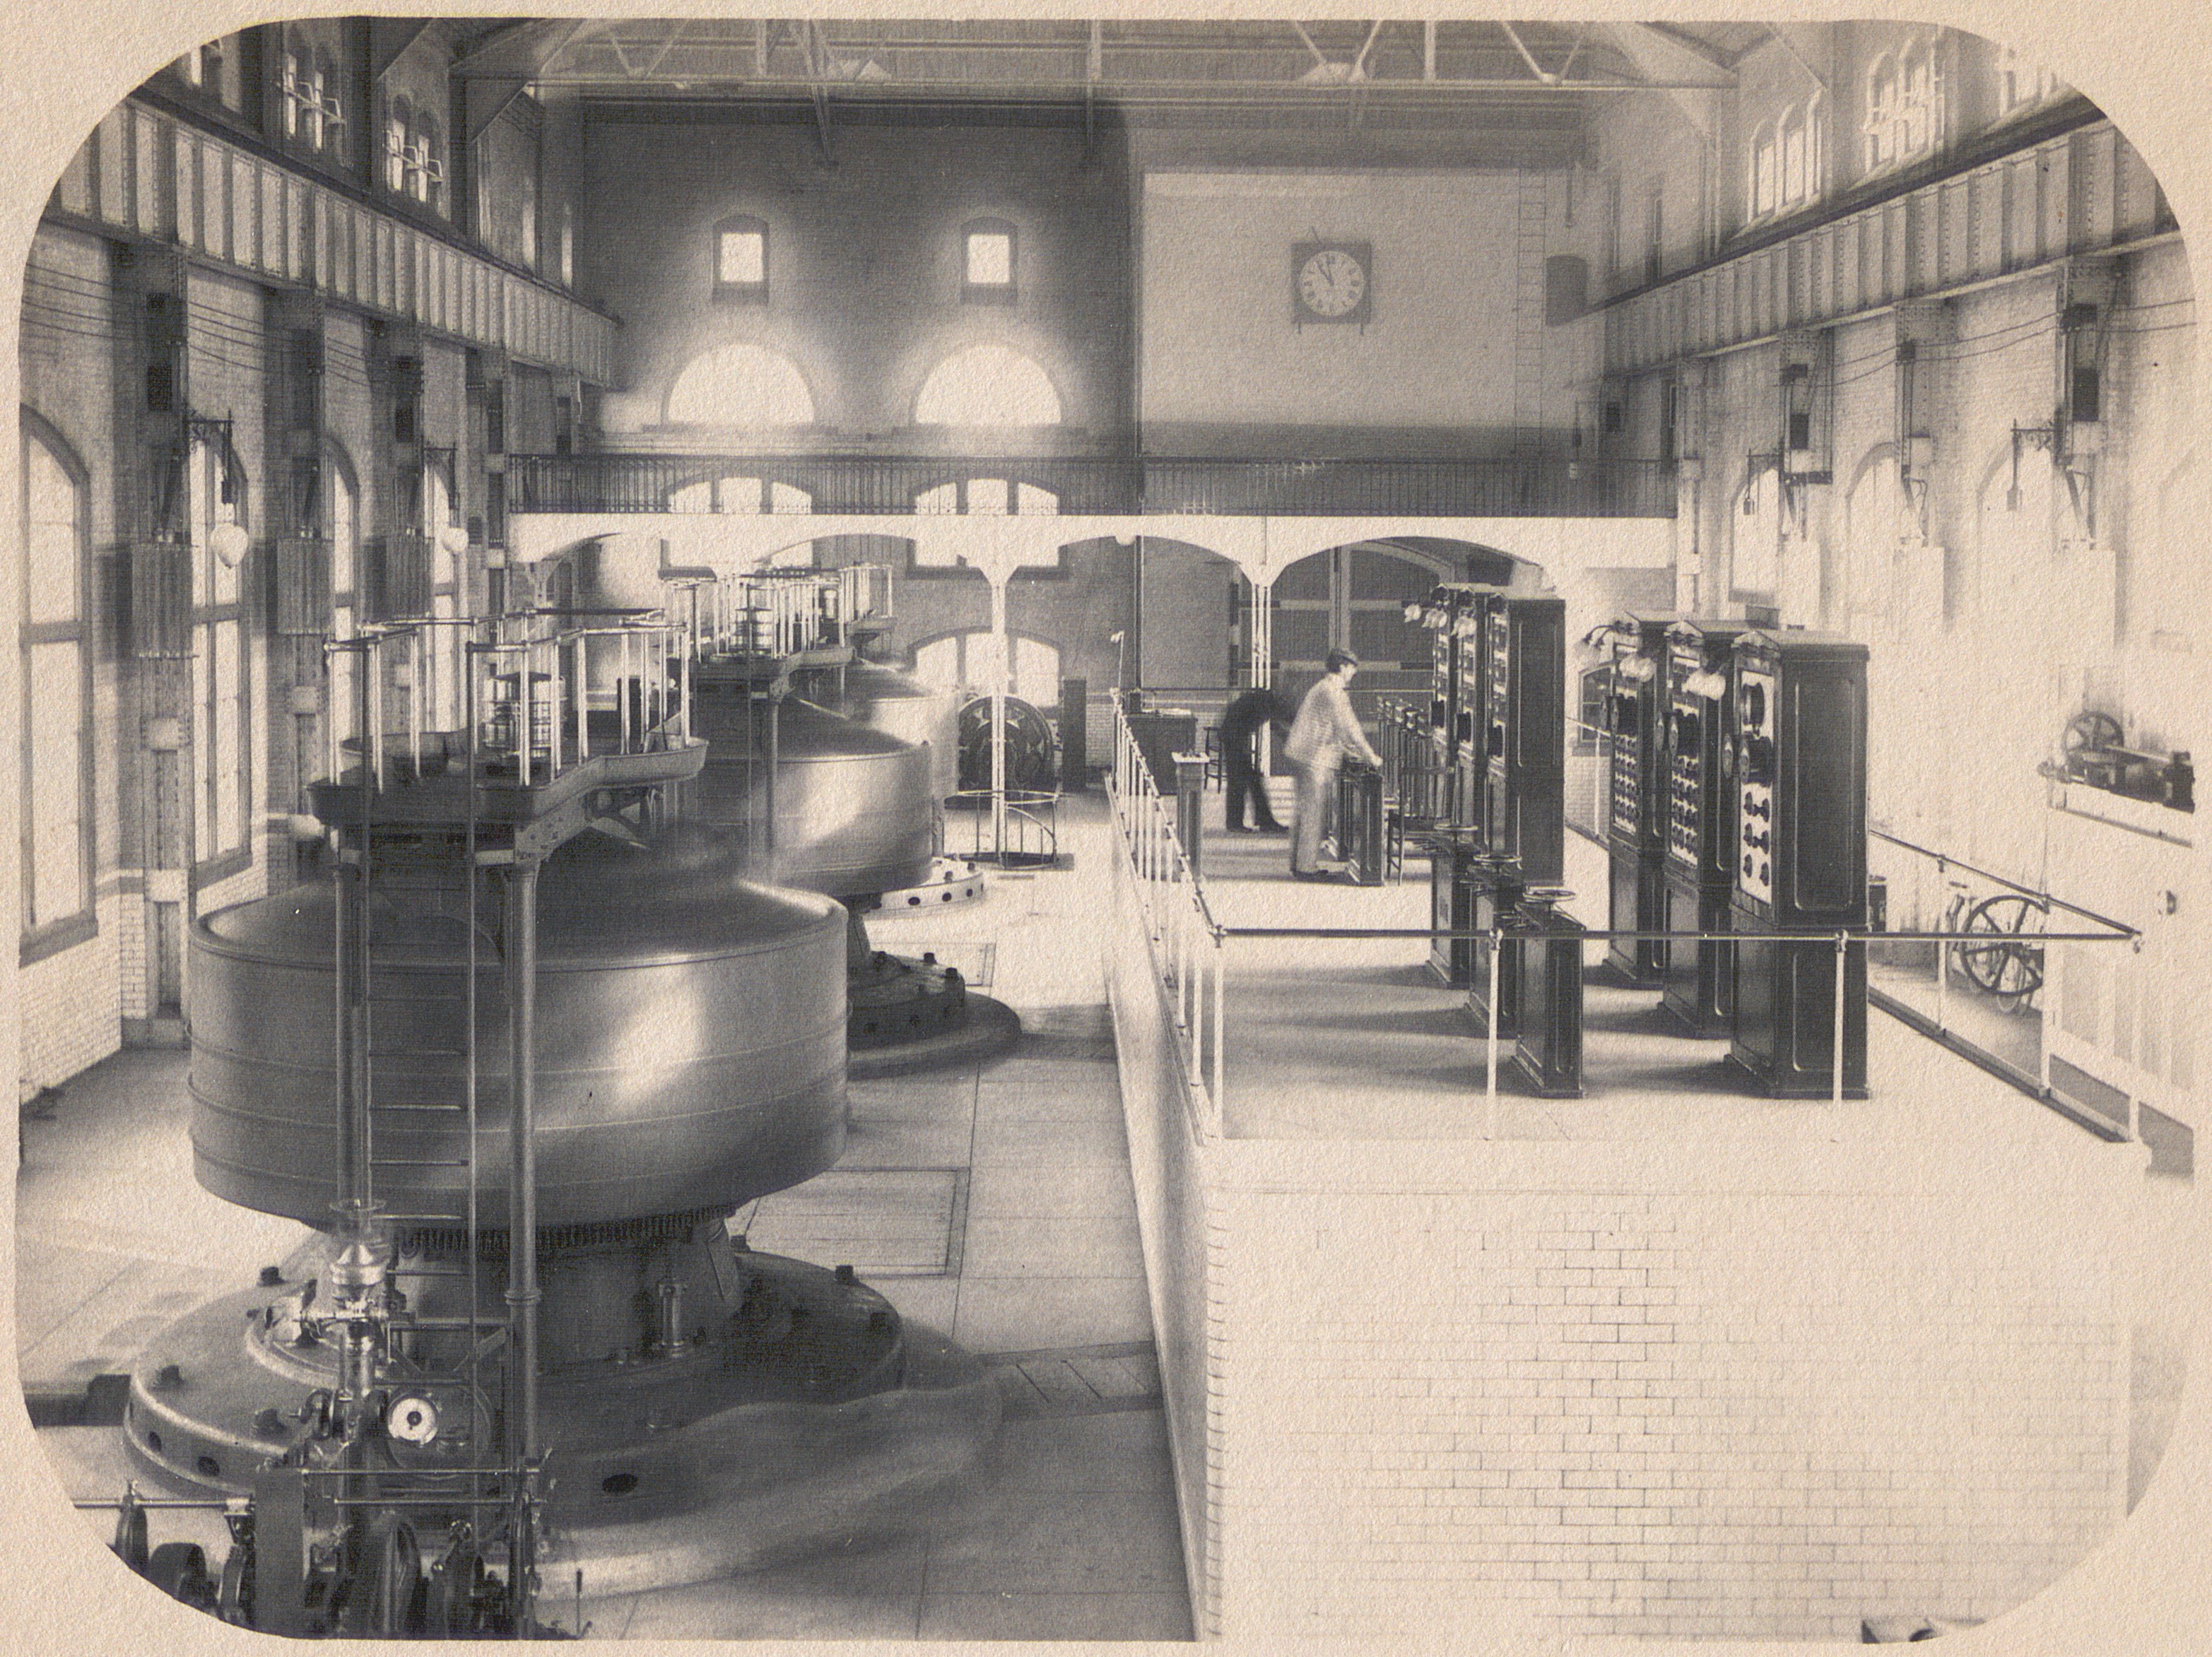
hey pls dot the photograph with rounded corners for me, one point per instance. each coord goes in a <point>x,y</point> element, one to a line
<point>1159,828</point>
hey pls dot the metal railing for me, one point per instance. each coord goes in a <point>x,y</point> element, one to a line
<point>1550,484</point>
<point>1023,826</point>
<point>776,613</point>
<point>1972,970</point>
<point>1161,893</point>
<point>533,682</point>
<point>1189,945</point>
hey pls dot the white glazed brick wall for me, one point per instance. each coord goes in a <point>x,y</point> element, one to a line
<point>1659,1413</point>
<point>69,1008</point>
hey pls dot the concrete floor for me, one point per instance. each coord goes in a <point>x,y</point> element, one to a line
<point>992,1203</point>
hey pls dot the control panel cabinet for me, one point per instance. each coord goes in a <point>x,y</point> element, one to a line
<point>1465,750</point>
<point>1799,859</point>
<point>1524,749</point>
<point>1455,613</point>
<point>1636,831</point>
<point>1699,754</point>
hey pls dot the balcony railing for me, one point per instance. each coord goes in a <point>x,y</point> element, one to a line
<point>1497,486</point>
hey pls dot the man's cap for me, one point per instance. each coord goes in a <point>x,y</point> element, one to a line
<point>1342,659</point>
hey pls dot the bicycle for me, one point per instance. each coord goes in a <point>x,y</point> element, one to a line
<point>2008,969</point>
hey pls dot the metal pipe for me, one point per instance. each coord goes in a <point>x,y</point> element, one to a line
<point>373,713</point>
<point>583,684</point>
<point>468,1006</point>
<point>522,1292</point>
<point>524,718</point>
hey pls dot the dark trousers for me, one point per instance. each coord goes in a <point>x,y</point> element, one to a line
<point>1239,777</point>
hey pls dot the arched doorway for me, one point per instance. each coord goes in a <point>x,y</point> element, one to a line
<point>1354,597</point>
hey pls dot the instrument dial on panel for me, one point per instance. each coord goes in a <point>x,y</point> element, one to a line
<point>1685,775</point>
<point>1755,706</point>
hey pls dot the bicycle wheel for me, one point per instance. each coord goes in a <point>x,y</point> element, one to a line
<point>2012,971</point>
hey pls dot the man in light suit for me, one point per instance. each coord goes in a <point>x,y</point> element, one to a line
<point>1325,732</point>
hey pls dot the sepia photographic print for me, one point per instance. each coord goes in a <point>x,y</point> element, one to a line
<point>997,825</point>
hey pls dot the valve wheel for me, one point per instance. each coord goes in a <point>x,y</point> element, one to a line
<point>2011,970</point>
<point>2092,730</point>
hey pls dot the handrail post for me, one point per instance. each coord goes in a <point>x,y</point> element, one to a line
<point>1942,956</point>
<point>1220,1027</point>
<point>1836,1082</point>
<point>1490,1041</point>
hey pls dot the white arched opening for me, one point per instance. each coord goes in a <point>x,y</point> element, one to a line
<point>969,662</point>
<point>987,386</point>
<point>740,385</point>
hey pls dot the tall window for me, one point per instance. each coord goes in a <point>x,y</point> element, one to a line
<point>398,144</point>
<point>1904,104</point>
<point>1766,176</point>
<point>987,262</point>
<point>2022,82</point>
<point>213,71</point>
<point>221,776</point>
<point>414,154</point>
<point>56,749</point>
<point>1786,159</point>
<point>313,109</point>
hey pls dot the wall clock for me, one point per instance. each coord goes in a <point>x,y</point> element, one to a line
<point>1332,282</point>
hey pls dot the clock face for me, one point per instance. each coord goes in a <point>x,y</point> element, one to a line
<point>1331,284</point>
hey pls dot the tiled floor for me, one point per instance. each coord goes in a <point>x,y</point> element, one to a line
<point>992,1203</point>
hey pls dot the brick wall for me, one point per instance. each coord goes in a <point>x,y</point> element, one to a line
<point>1170,1158</point>
<point>1597,1393</point>
<point>68,1007</point>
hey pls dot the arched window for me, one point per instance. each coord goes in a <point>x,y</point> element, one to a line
<point>987,386</point>
<point>969,661</point>
<point>1904,103</point>
<point>1881,112</point>
<point>399,144</point>
<point>56,776</point>
<point>981,497</point>
<point>1786,159</point>
<point>1764,173</point>
<point>427,174</point>
<point>745,385</point>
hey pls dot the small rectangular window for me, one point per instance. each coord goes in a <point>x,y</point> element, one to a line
<point>743,261</point>
<point>990,259</point>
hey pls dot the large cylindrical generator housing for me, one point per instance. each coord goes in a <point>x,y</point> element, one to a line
<point>691,1042</point>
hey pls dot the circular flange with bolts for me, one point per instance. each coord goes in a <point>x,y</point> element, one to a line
<point>952,881</point>
<point>809,1415</point>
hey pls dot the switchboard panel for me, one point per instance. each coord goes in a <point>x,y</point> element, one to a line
<point>1700,983</point>
<point>1799,859</point>
<point>1636,836</point>
<point>1524,751</point>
